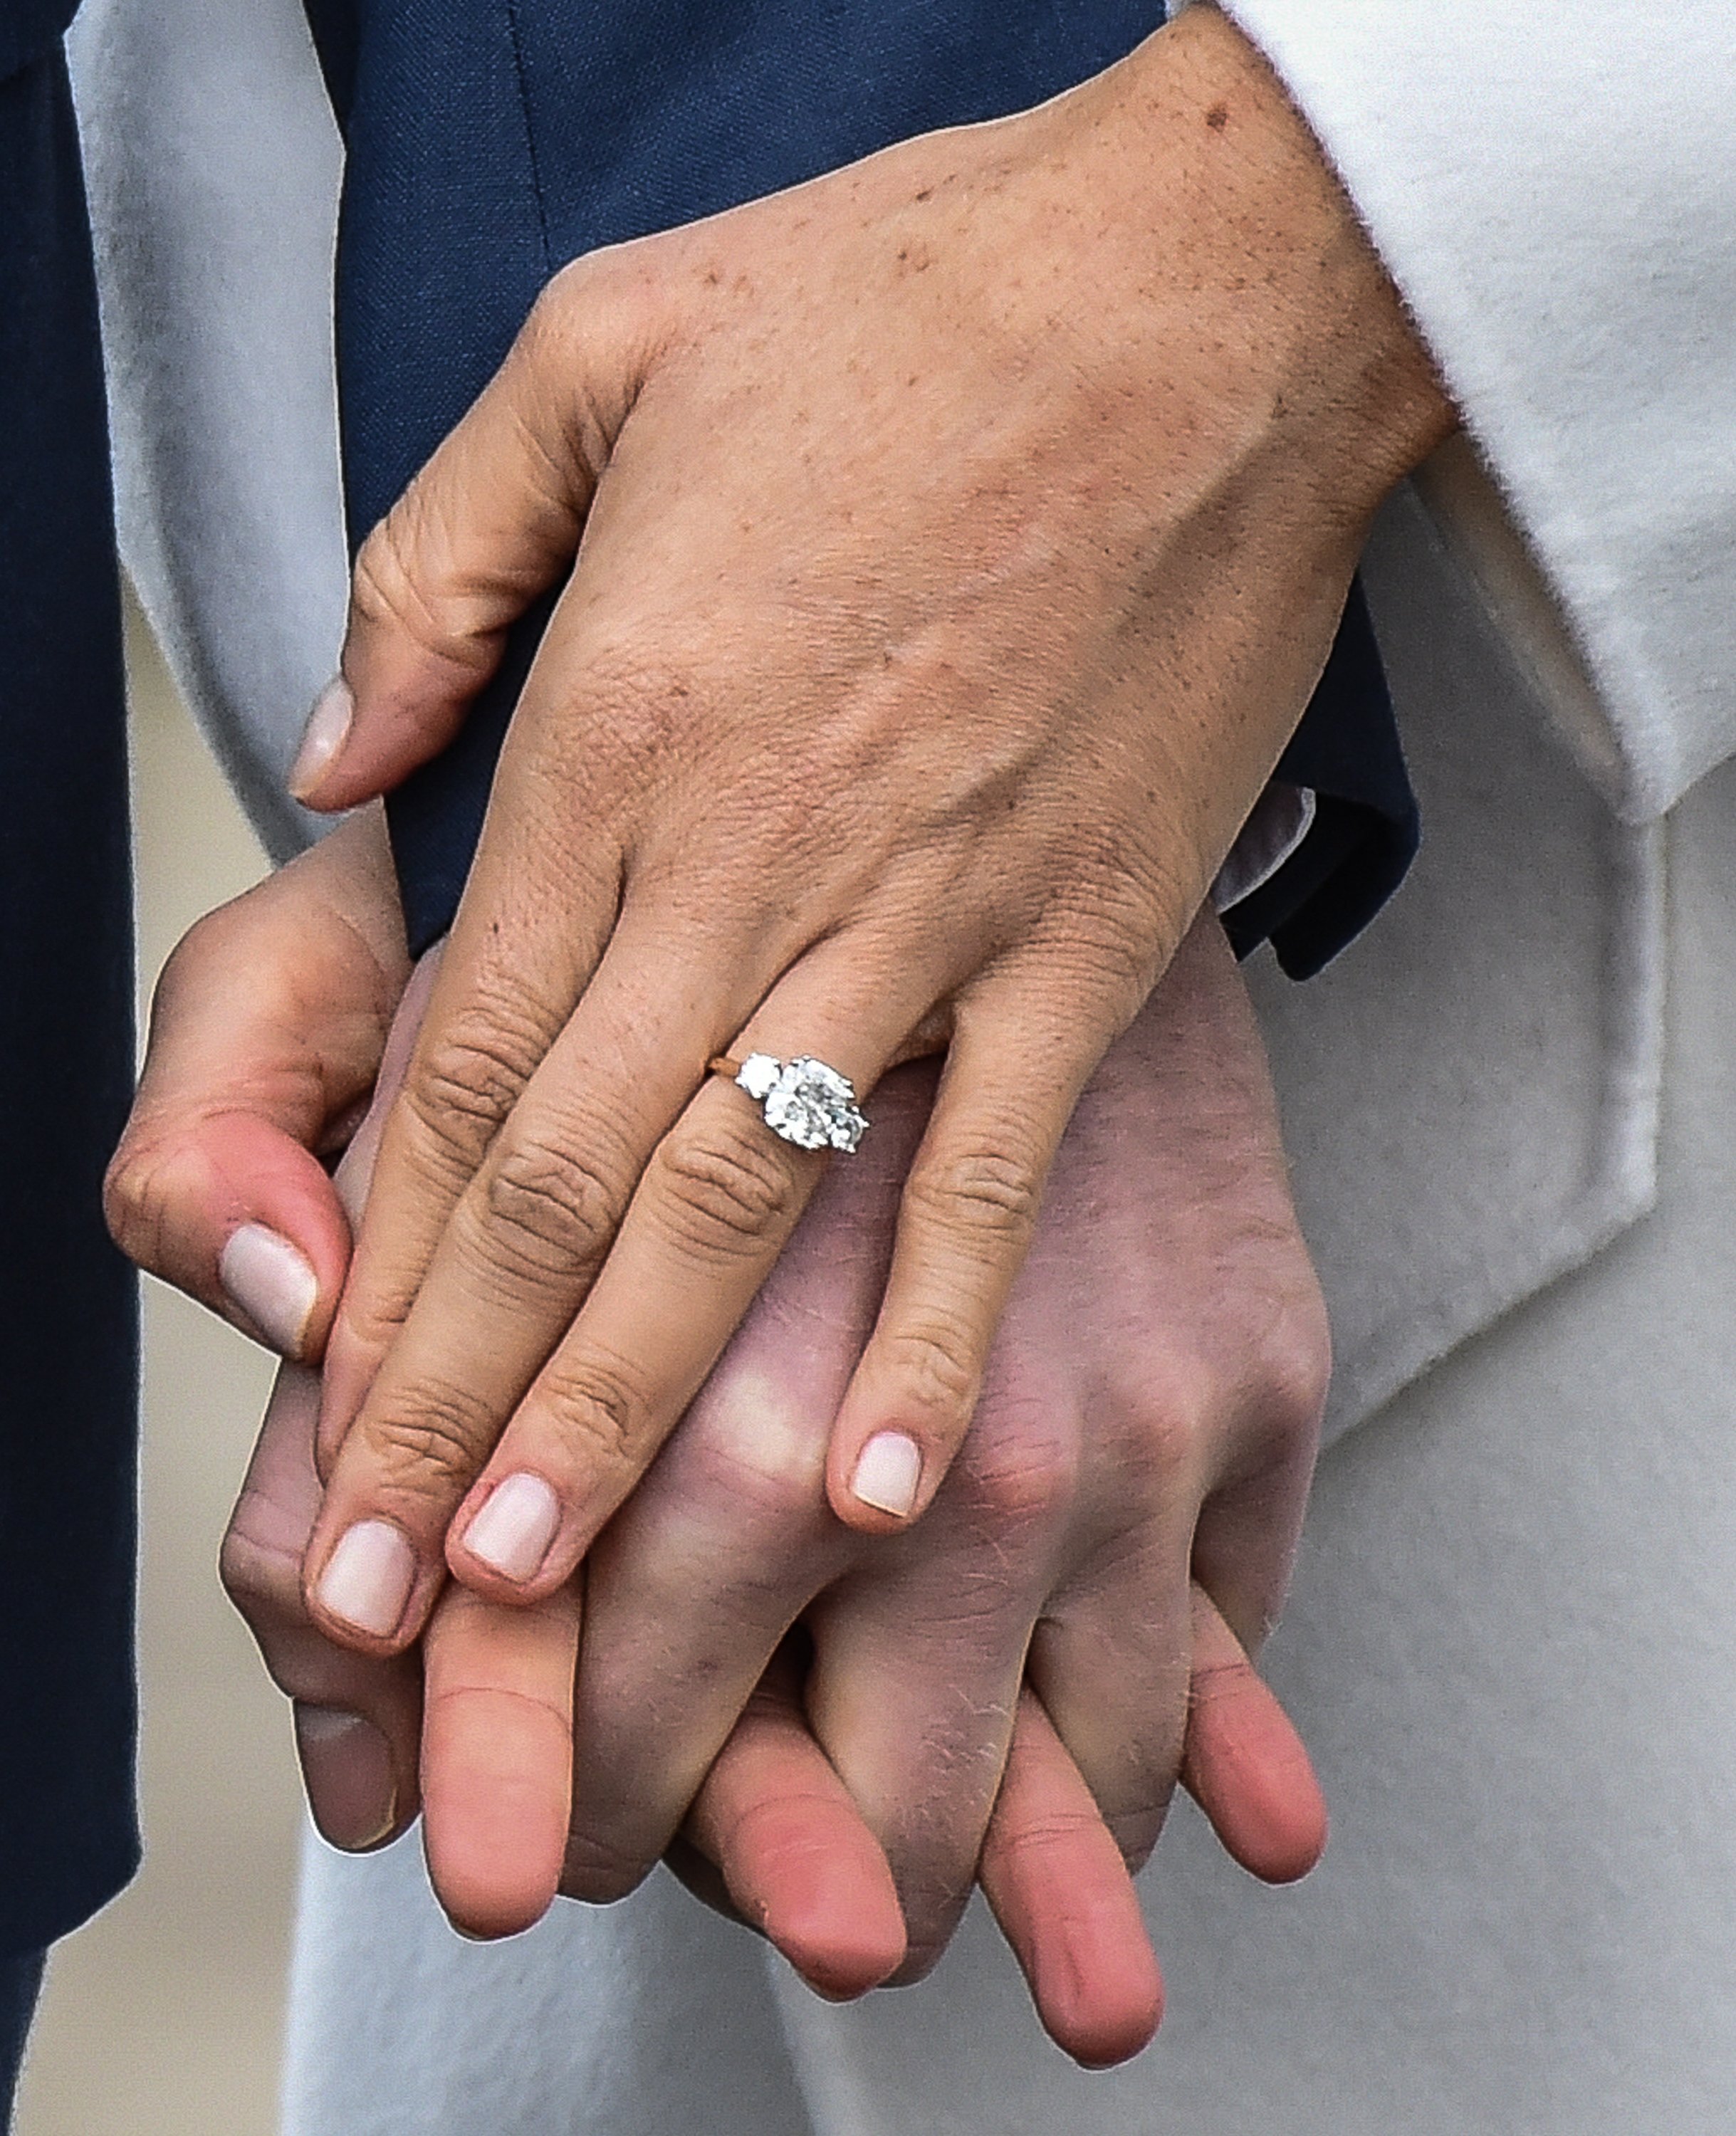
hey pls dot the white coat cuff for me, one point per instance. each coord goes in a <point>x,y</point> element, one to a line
<point>1553,189</point>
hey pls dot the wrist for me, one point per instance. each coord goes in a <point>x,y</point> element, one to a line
<point>1301,339</point>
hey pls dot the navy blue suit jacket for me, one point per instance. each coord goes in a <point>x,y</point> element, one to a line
<point>68,1352</point>
<point>490,141</point>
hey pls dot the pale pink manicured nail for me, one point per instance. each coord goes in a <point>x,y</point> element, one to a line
<point>888,1471</point>
<point>518,1521</point>
<point>368,1577</point>
<point>272,1283</point>
<point>328,725</point>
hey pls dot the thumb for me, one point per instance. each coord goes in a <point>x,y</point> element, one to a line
<point>266,1035</point>
<point>492,521</point>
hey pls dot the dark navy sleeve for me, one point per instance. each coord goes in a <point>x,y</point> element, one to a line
<point>1366,828</point>
<point>67,1835</point>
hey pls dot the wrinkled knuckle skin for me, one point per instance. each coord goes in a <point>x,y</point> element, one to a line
<point>385,594</point>
<point>723,1195</point>
<point>977,1194</point>
<point>937,1372</point>
<point>1041,1836</point>
<point>135,1204</point>
<point>465,1085</point>
<point>594,1412</point>
<point>552,1213</point>
<point>429,1443</point>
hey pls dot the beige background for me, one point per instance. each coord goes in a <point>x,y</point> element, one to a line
<point>163,2016</point>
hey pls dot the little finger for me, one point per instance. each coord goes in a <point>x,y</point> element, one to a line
<point>1012,1078</point>
<point>358,1719</point>
<point>1244,1763</point>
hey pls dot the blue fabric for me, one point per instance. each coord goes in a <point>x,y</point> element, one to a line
<point>21,1982</point>
<point>30,30</point>
<point>68,1350</point>
<point>489,141</point>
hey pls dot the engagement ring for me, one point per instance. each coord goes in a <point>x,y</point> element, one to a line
<point>803,1101</point>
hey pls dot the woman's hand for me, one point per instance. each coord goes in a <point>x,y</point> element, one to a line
<point>962,534</point>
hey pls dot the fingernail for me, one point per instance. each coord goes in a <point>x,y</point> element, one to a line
<point>888,1471</point>
<point>272,1283</point>
<point>368,1577</point>
<point>518,1521</point>
<point>328,725</point>
<point>346,1764</point>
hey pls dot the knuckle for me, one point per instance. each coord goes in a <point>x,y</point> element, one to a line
<point>722,1193</point>
<point>770,1474</point>
<point>1103,939</point>
<point>982,1194</point>
<point>937,1369</point>
<point>466,1082</point>
<point>386,593</point>
<point>1175,1413</point>
<point>430,1440</point>
<point>1061,1829</point>
<point>1027,1487</point>
<point>259,1582</point>
<point>134,1199</point>
<point>551,1210</point>
<point>594,1409</point>
<point>558,312</point>
<point>153,1192</point>
<point>1296,1366</point>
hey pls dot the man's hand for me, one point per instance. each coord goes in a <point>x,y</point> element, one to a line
<point>962,534</point>
<point>266,1035</point>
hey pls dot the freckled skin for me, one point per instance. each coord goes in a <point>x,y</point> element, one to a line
<point>963,533</point>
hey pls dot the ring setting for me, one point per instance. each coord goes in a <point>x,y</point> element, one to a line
<point>803,1101</point>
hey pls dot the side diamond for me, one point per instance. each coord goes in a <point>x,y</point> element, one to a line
<point>758,1076</point>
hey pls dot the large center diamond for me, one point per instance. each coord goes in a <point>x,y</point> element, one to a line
<point>806,1102</point>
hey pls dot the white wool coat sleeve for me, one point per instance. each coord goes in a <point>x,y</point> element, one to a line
<point>1552,188</point>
